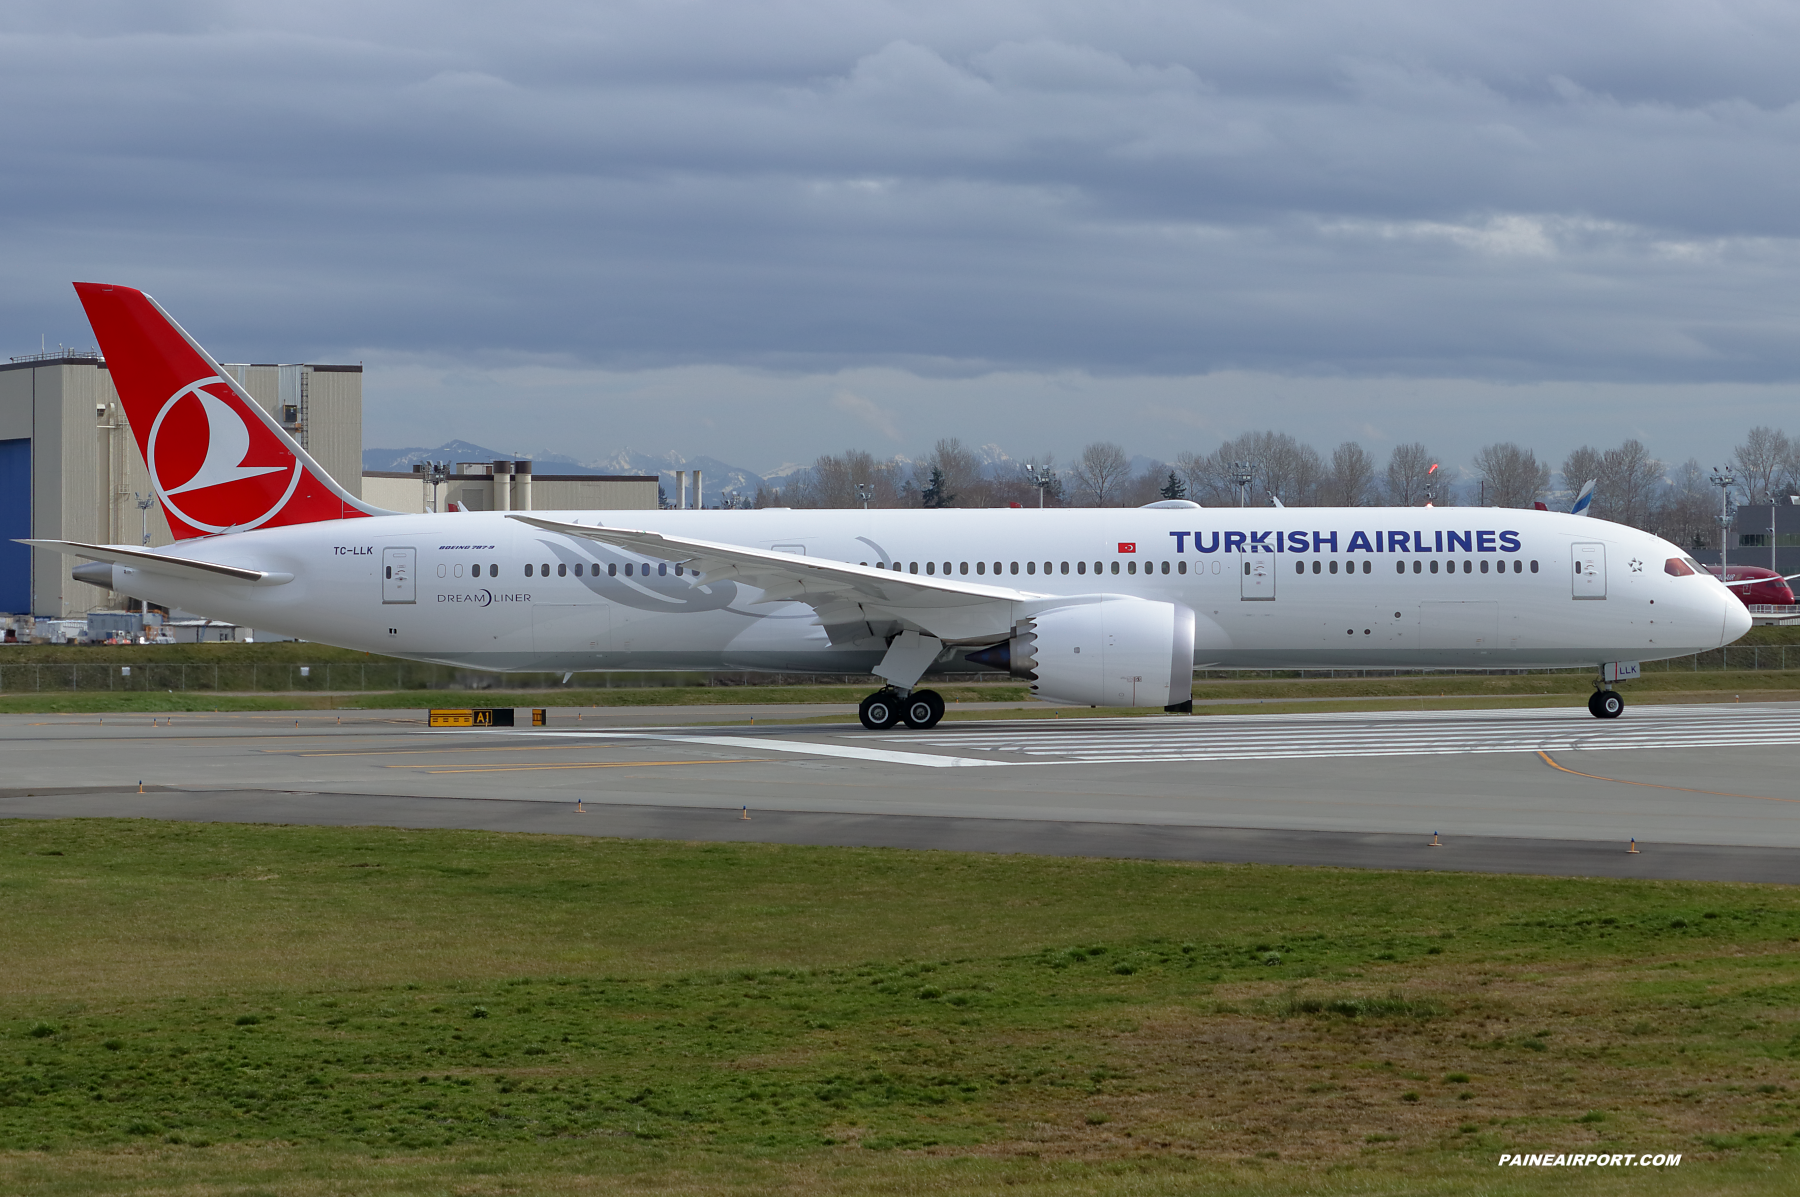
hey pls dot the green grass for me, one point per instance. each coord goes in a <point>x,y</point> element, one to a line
<point>296,1010</point>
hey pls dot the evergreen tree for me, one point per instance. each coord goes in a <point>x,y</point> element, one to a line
<point>1174,488</point>
<point>934,494</point>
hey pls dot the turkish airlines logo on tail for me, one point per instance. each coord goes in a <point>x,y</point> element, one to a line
<point>229,470</point>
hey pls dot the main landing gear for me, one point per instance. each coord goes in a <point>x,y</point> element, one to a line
<point>884,708</point>
<point>1606,704</point>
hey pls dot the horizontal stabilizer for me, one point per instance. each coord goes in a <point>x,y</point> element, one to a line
<point>158,563</point>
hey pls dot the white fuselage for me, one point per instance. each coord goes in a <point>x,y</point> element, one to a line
<point>1270,588</point>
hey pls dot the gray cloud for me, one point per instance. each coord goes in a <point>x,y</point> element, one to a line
<point>1527,193</point>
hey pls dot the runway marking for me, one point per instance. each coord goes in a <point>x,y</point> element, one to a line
<point>1656,786</point>
<point>804,747</point>
<point>426,768</point>
<point>1362,734</point>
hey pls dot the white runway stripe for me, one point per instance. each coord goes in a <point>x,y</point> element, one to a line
<point>1288,737</point>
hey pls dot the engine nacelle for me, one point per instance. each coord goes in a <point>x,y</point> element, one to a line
<point>1114,653</point>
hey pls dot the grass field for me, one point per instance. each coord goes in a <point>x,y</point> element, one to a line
<point>213,1009</point>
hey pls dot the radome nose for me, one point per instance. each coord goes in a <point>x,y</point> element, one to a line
<point>1737,620</point>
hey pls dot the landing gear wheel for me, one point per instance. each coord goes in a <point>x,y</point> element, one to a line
<point>1606,704</point>
<point>923,709</point>
<point>880,710</point>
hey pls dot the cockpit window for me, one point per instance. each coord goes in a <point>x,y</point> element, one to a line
<point>1678,567</point>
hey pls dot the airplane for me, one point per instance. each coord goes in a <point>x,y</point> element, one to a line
<point>1104,607</point>
<point>1754,584</point>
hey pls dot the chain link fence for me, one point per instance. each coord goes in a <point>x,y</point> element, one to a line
<point>387,676</point>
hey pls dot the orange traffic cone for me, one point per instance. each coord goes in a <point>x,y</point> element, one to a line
<point>1633,849</point>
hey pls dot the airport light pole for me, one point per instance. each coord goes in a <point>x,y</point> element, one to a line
<point>863,494</point>
<point>435,474</point>
<point>1724,479</point>
<point>1040,477</point>
<point>1242,475</point>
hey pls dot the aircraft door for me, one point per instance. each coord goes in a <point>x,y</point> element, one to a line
<point>1258,578</point>
<point>1590,570</point>
<point>397,576</point>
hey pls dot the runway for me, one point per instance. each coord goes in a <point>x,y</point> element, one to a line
<point>1706,791</point>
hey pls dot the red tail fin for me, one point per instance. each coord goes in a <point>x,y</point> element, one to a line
<point>217,460</point>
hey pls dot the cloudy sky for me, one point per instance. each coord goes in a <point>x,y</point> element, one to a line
<point>766,230</point>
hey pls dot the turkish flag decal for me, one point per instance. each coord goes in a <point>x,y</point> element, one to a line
<point>1128,546</point>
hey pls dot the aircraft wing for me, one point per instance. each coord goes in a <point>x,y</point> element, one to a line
<point>157,563</point>
<point>842,593</point>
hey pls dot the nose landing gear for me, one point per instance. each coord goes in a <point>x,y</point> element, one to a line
<point>1606,704</point>
<point>884,708</point>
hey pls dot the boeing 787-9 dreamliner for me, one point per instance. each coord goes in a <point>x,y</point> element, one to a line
<point>1105,607</point>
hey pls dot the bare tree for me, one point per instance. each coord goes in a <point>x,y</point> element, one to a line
<point>1101,472</point>
<point>1763,462</point>
<point>1629,477</point>
<point>1580,467</point>
<point>1352,476</point>
<point>1409,475</point>
<point>1514,477</point>
<point>1687,513</point>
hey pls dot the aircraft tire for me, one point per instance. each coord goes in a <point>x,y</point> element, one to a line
<point>1606,704</point>
<point>923,709</point>
<point>879,711</point>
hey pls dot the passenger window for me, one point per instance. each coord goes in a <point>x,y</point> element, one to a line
<point>544,569</point>
<point>981,567</point>
<point>1399,567</point>
<point>1434,566</point>
<point>996,569</point>
<point>493,570</point>
<point>1484,565</point>
<point>1100,567</point>
<point>962,567</point>
<point>677,569</point>
<point>946,569</point>
<point>562,569</point>
<point>1031,567</point>
<point>1131,567</point>
<point>528,571</point>
<point>1047,566</point>
<point>1318,567</point>
<point>1334,567</point>
<point>1420,565</point>
<point>1534,568</point>
<point>1165,567</point>
<point>1368,567</point>
<point>1518,567</point>
<point>1181,567</point>
<point>912,567</point>
<point>662,569</point>
<point>1115,567</point>
<point>1299,567</point>
<point>612,569</point>
<point>931,567</point>
<point>1015,567</point>
<point>1081,567</point>
<point>1469,567</point>
<point>1065,567</point>
<point>628,569</point>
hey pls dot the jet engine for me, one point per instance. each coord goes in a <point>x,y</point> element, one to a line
<point>1117,652</point>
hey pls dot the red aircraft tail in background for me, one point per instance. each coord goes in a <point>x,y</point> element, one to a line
<point>217,460</point>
